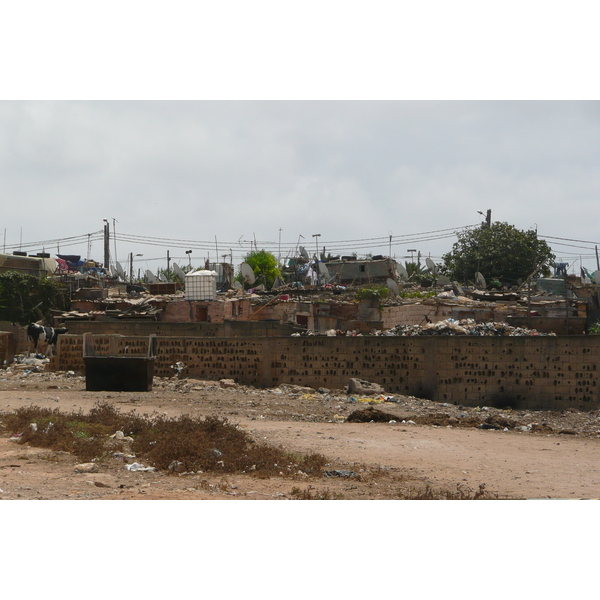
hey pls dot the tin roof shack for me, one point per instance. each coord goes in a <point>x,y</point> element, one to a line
<point>350,271</point>
<point>38,266</point>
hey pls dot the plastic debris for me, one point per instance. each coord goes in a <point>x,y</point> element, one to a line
<point>139,467</point>
<point>340,473</point>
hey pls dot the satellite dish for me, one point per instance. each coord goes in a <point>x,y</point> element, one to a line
<point>163,278</point>
<point>237,285</point>
<point>150,277</point>
<point>443,280</point>
<point>120,271</point>
<point>277,283</point>
<point>480,279</point>
<point>431,265</point>
<point>403,273</point>
<point>247,273</point>
<point>304,253</point>
<point>392,286</point>
<point>323,270</point>
<point>596,276</point>
<point>178,271</point>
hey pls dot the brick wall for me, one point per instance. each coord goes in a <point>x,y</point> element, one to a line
<point>144,327</point>
<point>552,373</point>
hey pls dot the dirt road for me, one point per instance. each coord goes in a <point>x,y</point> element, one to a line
<point>512,463</point>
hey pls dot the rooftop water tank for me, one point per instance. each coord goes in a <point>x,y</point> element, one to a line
<point>201,285</point>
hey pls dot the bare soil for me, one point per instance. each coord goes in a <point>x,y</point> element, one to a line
<point>419,449</point>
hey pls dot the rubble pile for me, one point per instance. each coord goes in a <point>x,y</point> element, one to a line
<point>463,327</point>
<point>447,327</point>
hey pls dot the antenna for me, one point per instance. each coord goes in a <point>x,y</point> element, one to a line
<point>277,283</point>
<point>178,271</point>
<point>392,286</point>
<point>323,271</point>
<point>120,271</point>
<point>402,272</point>
<point>150,277</point>
<point>431,266</point>
<point>247,273</point>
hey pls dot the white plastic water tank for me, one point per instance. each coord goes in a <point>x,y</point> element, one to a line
<point>201,285</point>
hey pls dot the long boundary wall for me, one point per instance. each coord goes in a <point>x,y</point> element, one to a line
<point>551,373</point>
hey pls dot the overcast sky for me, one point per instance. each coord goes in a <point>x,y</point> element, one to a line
<point>348,170</point>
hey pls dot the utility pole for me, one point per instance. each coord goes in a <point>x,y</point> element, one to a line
<point>488,217</point>
<point>115,237</point>
<point>279,250</point>
<point>106,244</point>
<point>168,268</point>
<point>317,236</point>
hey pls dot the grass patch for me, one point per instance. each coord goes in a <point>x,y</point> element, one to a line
<point>177,444</point>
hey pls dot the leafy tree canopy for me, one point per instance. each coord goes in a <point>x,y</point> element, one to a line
<point>500,252</point>
<point>264,265</point>
<point>25,299</point>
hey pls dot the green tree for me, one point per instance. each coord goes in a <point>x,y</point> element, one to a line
<point>500,252</point>
<point>264,265</point>
<point>26,299</point>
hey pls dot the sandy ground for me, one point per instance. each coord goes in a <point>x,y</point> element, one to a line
<point>540,455</point>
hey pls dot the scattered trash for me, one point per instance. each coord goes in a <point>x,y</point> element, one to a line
<point>139,467</point>
<point>340,473</point>
<point>121,437</point>
<point>464,327</point>
<point>86,468</point>
<point>178,368</point>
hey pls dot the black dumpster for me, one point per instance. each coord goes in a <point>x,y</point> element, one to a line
<point>118,373</point>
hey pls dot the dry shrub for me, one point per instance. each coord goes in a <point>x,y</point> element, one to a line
<point>310,493</point>
<point>462,493</point>
<point>176,444</point>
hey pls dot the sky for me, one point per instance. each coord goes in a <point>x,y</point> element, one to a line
<point>212,175</point>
